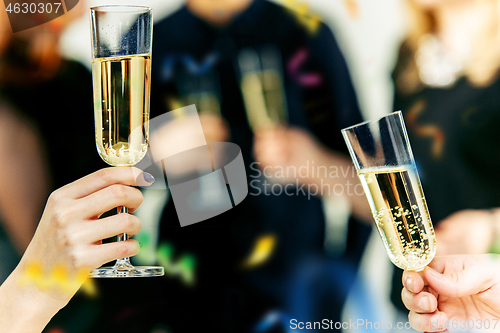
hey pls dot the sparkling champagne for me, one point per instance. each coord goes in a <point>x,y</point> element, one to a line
<point>121,107</point>
<point>398,206</point>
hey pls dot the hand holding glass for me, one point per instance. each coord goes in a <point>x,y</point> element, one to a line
<point>121,69</point>
<point>382,155</point>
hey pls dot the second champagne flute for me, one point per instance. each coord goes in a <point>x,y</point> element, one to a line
<point>121,70</point>
<point>382,156</point>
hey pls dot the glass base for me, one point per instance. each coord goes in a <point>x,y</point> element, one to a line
<point>125,269</point>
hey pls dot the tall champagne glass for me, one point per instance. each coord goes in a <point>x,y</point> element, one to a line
<point>121,70</point>
<point>383,159</point>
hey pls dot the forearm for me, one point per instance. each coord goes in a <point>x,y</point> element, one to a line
<point>23,307</point>
<point>495,226</point>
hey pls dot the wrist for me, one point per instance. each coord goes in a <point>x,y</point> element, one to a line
<point>27,308</point>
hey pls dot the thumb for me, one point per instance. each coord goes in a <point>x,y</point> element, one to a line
<point>469,281</point>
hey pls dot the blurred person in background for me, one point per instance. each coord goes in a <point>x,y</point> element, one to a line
<point>23,186</point>
<point>47,130</point>
<point>24,183</point>
<point>447,85</point>
<point>202,42</point>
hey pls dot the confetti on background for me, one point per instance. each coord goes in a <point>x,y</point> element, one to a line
<point>301,10</point>
<point>189,63</point>
<point>55,330</point>
<point>310,79</point>
<point>263,248</point>
<point>184,268</point>
<point>352,8</point>
<point>426,130</point>
<point>58,278</point>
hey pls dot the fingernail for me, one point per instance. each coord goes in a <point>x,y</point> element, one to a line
<point>148,177</point>
<point>409,283</point>
<point>425,304</point>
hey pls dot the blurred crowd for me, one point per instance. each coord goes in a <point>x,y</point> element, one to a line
<point>272,78</point>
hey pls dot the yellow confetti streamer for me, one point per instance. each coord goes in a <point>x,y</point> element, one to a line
<point>303,14</point>
<point>264,247</point>
<point>59,278</point>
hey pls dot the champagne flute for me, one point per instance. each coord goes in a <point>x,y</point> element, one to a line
<point>121,70</point>
<point>383,159</point>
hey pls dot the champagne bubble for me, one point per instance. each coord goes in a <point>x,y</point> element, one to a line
<point>403,221</point>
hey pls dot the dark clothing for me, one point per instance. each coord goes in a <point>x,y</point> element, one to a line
<point>454,137</point>
<point>61,110</point>
<point>328,107</point>
<point>464,121</point>
<point>226,297</point>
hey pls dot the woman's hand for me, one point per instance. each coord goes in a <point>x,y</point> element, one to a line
<point>455,292</point>
<point>69,239</point>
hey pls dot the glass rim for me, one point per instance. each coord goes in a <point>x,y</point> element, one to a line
<point>371,120</point>
<point>124,8</point>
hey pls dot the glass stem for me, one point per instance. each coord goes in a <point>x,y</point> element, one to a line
<point>124,262</point>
